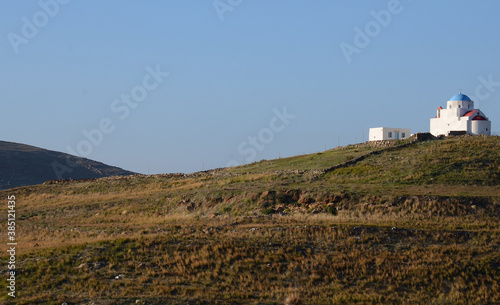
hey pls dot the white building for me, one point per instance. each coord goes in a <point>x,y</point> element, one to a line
<point>460,116</point>
<point>386,133</point>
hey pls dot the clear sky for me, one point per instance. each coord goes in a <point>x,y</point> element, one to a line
<point>247,80</point>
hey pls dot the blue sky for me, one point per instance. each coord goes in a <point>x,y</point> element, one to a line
<point>232,64</point>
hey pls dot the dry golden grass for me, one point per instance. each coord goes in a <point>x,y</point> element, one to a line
<point>205,239</point>
<point>267,260</point>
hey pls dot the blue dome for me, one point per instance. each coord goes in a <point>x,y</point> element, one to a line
<point>461,97</point>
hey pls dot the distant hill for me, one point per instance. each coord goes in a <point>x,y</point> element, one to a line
<point>22,165</point>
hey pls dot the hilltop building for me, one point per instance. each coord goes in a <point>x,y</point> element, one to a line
<point>387,133</point>
<point>460,117</point>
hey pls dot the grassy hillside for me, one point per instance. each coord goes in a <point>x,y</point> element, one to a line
<point>417,223</point>
<point>22,165</point>
<point>318,161</point>
<point>455,161</point>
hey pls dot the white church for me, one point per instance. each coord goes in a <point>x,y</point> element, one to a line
<point>460,117</point>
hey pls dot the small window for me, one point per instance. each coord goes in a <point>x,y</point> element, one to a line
<point>459,106</point>
<point>403,135</point>
<point>390,134</point>
<point>486,129</point>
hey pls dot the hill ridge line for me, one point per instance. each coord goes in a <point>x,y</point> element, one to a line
<point>219,172</point>
<point>372,153</point>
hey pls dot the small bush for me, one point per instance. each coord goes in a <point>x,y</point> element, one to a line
<point>332,210</point>
<point>267,211</point>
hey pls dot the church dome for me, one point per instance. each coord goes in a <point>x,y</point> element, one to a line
<point>460,97</point>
